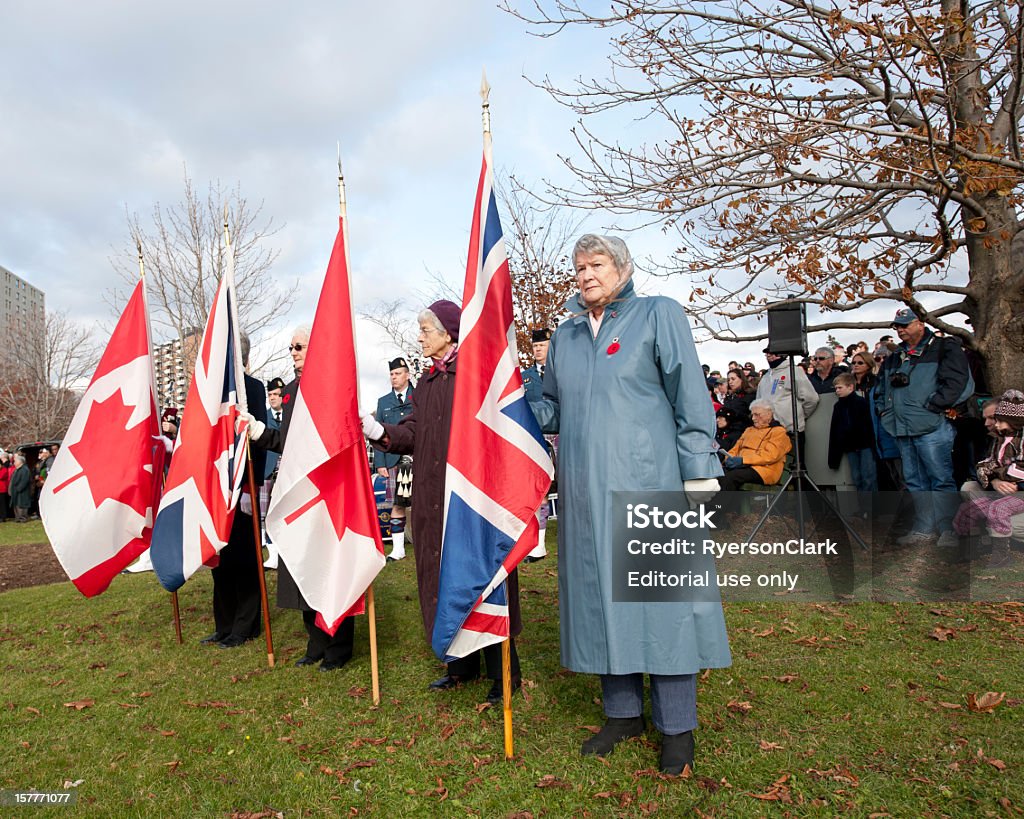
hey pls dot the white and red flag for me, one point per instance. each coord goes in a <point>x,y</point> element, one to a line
<point>323,516</point>
<point>204,481</point>
<point>99,498</point>
<point>498,467</point>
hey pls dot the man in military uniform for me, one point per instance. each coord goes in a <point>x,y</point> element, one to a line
<point>392,408</point>
<point>274,415</point>
<point>533,383</point>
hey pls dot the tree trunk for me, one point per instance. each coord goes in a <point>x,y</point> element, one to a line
<point>996,297</point>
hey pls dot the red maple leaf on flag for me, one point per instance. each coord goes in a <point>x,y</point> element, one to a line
<point>108,454</point>
<point>329,478</point>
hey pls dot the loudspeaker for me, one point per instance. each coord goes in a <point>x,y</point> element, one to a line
<point>787,329</point>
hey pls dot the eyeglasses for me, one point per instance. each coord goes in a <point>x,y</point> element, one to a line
<point>860,363</point>
<point>296,347</point>
<point>823,357</point>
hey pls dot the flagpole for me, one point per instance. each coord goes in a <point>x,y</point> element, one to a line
<point>174,594</point>
<point>506,650</point>
<point>253,493</point>
<point>371,609</point>
<point>257,537</point>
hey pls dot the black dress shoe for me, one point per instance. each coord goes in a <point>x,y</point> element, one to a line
<point>615,730</point>
<point>216,637</point>
<point>497,692</point>
<point>676,753</point>
<point>332,665</point>
<point>529,559</point>
<point>234,641</point>
<point>449,682</point>
<point>305,659</point>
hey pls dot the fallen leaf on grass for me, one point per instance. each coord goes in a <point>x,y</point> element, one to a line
<point>766,633</point>
<point>739,707</point>
<point>129,705</point>
<point>985,703</point>
<point>787,678</point>
<point>440,791</point>
<point>447,731</point>
<point>998,764</point>
<point>37,712</point>
<point>168,733</point>
<point>481,707</point>
<point>78,705</point>
<point>778,792</point>
<point>942,634</point>
<point>357,691</point>
<point>769,746</point>
<point>592,728</point>
<point>952,706</point>
<point>173,766</point>
<point>263,814</point>
<point>551,781</point>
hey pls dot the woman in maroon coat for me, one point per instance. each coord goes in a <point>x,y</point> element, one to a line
<point>424,434</point>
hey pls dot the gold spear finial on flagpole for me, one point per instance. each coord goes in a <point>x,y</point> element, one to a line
<point>142,267</point>
<point>485,93</point>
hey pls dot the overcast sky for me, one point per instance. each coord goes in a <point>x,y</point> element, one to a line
<point>105,103</point>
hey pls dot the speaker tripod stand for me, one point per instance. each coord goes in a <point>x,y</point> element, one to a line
<point>800,476</point>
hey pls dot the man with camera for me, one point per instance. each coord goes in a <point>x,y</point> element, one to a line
<point>925,377</point>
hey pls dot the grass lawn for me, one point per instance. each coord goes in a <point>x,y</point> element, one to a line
<point>865,709</point>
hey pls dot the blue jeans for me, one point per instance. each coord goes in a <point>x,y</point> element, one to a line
<point>862,469</point>
<point>673,699</point>
<point>928,474</point>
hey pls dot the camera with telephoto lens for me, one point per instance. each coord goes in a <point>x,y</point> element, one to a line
<point>897,380</point>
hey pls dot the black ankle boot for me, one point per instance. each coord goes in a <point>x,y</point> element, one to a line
<point>676,753</point>
<point>614,731</point>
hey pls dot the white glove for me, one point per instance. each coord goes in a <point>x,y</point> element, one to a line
<point>256,428</point>
<point>700,490</point>
<point>372,428</point>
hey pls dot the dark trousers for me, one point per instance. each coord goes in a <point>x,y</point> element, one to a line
<point>236,583</point>
<point>468,667</point>
<point>735,478</point>
<point>321,645</point>
<point>5,505</point>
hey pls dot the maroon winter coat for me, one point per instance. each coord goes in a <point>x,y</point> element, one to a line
<point>424,434</point>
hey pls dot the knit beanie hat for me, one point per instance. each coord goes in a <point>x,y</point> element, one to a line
<point>449,314</point>
<point>1011,408</point>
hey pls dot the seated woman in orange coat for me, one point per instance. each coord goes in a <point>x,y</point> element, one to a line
<point>760,453</point>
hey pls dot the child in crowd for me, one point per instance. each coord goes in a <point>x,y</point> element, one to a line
<point>852,434</point>
<point>1002,474</point>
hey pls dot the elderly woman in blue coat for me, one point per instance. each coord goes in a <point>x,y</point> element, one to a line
<point>625,391</point>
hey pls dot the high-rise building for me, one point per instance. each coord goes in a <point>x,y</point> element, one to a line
<point>174,363</point>
<point>22,306</point>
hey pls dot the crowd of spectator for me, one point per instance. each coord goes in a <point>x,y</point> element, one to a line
<point>912,412</point>
<point>21,483</point>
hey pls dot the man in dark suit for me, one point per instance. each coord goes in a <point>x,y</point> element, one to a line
<point>236,581</point>
<point>331,652</point>
<point>397,469</point>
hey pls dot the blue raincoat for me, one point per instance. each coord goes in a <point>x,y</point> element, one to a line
<point>635,417</point>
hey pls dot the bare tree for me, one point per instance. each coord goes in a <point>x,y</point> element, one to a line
<point>538,241</point>
<point>846,153</point>
<point>44,367</point>
<point>183,251</point>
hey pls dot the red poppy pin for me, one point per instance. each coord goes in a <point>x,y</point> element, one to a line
<point>287,398</point>
<point>614,347</point>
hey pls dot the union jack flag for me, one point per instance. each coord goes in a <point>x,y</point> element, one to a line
<point>208,463</point>
<point>498,468</point>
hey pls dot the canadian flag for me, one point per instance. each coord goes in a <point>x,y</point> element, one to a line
<point>323,516</point>
<point>100,495</point>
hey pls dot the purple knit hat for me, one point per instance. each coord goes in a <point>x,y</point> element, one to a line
<point>449,314</point>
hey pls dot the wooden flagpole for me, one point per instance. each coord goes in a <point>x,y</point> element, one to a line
<point>254,497</point>
<point>257,537</point>
<point>506,650</point>
<point>371,610</point>
<point>174,594</point>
